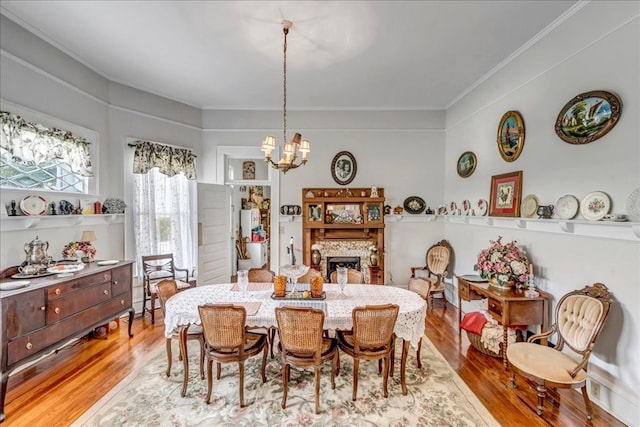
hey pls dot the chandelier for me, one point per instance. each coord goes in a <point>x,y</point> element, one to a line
<point>296,145</point>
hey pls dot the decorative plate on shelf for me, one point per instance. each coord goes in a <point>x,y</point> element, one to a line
<point>595,206</point>
<point>481,207</point>
<point>567,207</point>
<point>9,286</point>
<point>33,205</point>
<point>529,206</point>
<point>465,207</point>
<point>452,208</point>
<point>633,205</point>
<point>70,268</point>
<point>414,205</point>
<point>442,210</point>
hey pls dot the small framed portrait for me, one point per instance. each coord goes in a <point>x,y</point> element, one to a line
<point>588,116</point>
<point>510,136</point>
<point>506,192</point>
<point>467,164</point>
<point>249,170</point>
<point>344,168</point>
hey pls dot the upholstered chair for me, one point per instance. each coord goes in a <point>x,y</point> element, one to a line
<point>226,341</point>
<point>429,280</point>
<point>580,316</point>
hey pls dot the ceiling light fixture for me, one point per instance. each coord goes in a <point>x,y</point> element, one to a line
<point>291,148</point>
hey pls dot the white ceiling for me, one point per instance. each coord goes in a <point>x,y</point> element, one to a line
<point>341,54</point>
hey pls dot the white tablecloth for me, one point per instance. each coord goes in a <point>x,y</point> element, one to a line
<point>182,308</point>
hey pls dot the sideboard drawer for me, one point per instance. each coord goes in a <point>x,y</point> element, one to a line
<point>23,313</point>
<point>463,290</point>
<point>494,307</point>
<point>60,290</point>
<point>75,302</point>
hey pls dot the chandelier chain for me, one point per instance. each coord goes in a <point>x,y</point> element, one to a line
<point>284,82</point>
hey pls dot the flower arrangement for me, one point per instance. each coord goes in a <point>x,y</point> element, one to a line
<point>71,249</point>
<point>503,262</point>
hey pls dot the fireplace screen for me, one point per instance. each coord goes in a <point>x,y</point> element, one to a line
<point>347,261</point>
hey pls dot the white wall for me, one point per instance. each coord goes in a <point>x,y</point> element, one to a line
<point>597,48</point>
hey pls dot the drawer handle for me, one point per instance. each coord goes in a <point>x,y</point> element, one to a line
<point>492,305</point>
<point>115,282</point>
<point>29,346</point>
<point>57,310</point>
<point>43,308</point>
<point>106,292</point>
<point>57,291</point>
<point>121,302</point>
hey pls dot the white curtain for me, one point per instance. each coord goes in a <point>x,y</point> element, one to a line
<point>163,223</point>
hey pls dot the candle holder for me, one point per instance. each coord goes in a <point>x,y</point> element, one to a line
<point>531,290</point>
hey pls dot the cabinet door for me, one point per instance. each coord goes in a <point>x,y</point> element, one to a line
<point>23,313</point>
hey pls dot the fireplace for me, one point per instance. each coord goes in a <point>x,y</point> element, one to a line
<point>347,261</point>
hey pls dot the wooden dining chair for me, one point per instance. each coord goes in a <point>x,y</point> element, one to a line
<point>156,268</point>
<point>166,289</point>
<point>580,316</point>
<point>306,277</point>
<point>261,275</point>
<point>371,338</point>
<point>226,340</point>
<point>302,345</point>
<point>354,276</point>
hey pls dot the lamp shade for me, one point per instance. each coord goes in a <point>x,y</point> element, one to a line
<point>89,236</point>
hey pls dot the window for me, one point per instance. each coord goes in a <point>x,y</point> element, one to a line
<point>164,218</point>
<point>35,157</point>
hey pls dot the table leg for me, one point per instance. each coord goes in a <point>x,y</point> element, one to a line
<point>185,358</point>
<point>403,366</point>
<point>505,341</point>
<point>459,315</point>
<point>545,317</point>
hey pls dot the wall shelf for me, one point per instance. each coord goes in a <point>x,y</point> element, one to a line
<point>21,222</point>
<point>599,229</point>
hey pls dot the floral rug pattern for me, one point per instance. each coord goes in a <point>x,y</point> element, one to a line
<point>437,396</point>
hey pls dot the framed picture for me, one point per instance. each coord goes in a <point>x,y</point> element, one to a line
<point>506,192</point>
<point>249,170</point>
<point>510,136</point>
<point>588,116</point>
<point>467,164</point>
<point>344,168</point>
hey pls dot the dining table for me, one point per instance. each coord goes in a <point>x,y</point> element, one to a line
<point>181,310</point>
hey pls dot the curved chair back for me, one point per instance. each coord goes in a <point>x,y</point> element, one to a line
<point>373,326</point>
<point>306,278</point>
<point>166,289</point>
<point>438,258</point>
<point>261,275</point>
<point>223,326</point>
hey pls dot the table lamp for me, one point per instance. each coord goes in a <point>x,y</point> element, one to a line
<point>89,250</point>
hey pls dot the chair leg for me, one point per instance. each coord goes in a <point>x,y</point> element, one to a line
<point>264,364</point>
<point>218,370</point>
<point>285,385</point>
<point>356,366</point>
<point>334,365</point>
<point>419,362</point>
<point>168,345</point>
<point>587,402</point>
<point>153,308</point>
<point>201,358</point>
<point>513,379</point>
<point>542,392</point>
<point>241,385</point>
<point>317,389</point>
<point>144,303</point>
<point>209,380</point>
<point>392,359</point>
<point>271,336</point>
<point>385,375</point>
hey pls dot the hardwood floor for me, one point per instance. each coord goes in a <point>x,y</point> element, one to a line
<point>59,388</point>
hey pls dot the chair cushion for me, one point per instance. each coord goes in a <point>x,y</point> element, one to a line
<point>544,362</point>
<point>181,285</point>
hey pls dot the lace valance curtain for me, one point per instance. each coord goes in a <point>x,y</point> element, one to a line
<point>169,160</point>
<point>34,144</point>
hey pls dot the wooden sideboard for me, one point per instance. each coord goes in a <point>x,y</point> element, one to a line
<point>48,312</point>
<point>507,306</point>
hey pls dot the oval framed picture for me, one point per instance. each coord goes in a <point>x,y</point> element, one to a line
<point>344,168</point>
<point>467,164</point>
<point>588,116</point>
<point>511,136</point>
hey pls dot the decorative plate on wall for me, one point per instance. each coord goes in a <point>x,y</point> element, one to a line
<point>588,116</point>
<point>529,206</point>
<point>510,136</point>
<point>481,208</point>
<point>467,164</point>
<point>33,205</point>
<point>414,205</point>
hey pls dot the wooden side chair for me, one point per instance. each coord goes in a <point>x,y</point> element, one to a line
<point>354,277</point>
<point>429,279</point>
<point>580,316</point>
<point>306,278</point>
<point>226,340</point>
<point>156,268</point>
<point>166,289</point>
<point>372,338</point>
<point>302,345</point>
<point>261,275</point>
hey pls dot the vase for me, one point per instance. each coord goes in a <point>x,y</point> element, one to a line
<point>373,258</point>
<point>494,282</point>
<point>316,257</point>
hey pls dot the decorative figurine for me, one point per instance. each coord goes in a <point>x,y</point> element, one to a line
<point>374,191</point>
<point>13,208</point>
<point>52,205</point>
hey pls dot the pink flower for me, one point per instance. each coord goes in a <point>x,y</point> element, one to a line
<point>502,261</point>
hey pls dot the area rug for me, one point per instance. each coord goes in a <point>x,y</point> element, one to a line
<point>437,396</point>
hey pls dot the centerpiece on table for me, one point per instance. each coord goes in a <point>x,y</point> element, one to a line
<point>504,265</point>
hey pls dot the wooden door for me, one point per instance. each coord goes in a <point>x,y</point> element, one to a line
<point>214,234</point>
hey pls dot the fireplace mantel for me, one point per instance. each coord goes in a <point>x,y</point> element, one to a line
<point>346,220</point>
